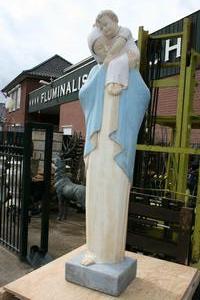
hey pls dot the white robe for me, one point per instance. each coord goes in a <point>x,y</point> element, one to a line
<point>107,193</point>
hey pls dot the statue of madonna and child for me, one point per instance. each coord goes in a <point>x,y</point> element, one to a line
<point>114,100</point>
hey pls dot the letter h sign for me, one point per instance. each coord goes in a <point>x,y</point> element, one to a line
<point>169,48</point>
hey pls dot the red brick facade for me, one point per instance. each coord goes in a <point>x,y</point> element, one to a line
<point>71,114</point>
<point>196,102</point>
<point>168,99</point>
<point>167,103</point>
<point>27,81</point>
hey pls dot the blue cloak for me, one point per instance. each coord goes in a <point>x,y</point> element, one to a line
<point>132,106</point>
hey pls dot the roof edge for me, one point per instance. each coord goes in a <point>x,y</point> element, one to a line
<point>44,62</point>
<point>25,73</point>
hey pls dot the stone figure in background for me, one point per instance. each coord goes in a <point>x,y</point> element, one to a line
<point>114,103</point>
<point>67,191</point>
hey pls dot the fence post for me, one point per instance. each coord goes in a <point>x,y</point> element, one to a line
<point>46,197</point>
<point>25,191</point>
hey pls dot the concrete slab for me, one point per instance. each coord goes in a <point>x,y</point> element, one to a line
<point>156,279</point>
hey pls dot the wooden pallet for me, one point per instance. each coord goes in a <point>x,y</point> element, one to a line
<point>145,235</point>
<point>156,279</point>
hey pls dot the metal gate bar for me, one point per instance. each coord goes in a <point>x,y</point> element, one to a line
<point>26,186</point>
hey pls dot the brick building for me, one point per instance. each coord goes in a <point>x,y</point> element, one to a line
<point>19,88</point>
<point>60,98</point>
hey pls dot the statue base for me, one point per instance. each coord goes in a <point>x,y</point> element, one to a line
<point>110,279</point>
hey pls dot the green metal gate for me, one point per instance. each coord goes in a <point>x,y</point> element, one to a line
<point>151,226</point>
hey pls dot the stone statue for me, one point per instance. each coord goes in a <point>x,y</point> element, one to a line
<point>114,104</point>
<point>114,100</point>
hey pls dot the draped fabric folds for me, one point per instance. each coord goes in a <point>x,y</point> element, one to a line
<point>112,126</point>
<point>133,103</point>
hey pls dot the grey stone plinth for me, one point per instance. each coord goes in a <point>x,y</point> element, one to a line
<point>110,279</point>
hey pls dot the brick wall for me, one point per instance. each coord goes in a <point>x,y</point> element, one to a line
<point>167,103</point>
<point>71,114</point>
<point>195,135</point>
<point>196,102</point>
<point>168,99</point>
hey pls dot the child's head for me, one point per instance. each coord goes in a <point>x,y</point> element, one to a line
<point>107,22</point>
<point>97,45</point>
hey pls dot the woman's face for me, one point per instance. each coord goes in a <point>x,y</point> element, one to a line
<point>108,26</point>
<point>100,49</point>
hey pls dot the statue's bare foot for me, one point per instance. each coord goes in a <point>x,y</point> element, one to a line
<point>114,89</point>
<point>88,260</point>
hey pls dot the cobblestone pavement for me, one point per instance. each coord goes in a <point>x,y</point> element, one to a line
<point>63,237</point>
<point>11,267</point>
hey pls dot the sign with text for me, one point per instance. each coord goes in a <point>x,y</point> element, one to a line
<point>62,90</point>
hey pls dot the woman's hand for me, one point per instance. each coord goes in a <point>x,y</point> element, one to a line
<point>114,89</point>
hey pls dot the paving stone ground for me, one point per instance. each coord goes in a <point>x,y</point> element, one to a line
<point>64,236</point>
<point>11,267</point>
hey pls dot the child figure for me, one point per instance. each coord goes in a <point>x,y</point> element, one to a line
<point>120,50</point>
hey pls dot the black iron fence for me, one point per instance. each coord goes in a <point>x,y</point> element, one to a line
<point>11,174</point>
<point>15,187</point>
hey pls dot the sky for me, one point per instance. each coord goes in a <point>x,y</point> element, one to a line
<point>31,31</point>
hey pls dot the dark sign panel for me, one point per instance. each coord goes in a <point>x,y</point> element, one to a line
<point>61,90</point>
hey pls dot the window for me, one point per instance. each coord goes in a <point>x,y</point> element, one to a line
<point>15,95</point>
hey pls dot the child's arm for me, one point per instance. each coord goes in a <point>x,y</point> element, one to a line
<point>115,49</point>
